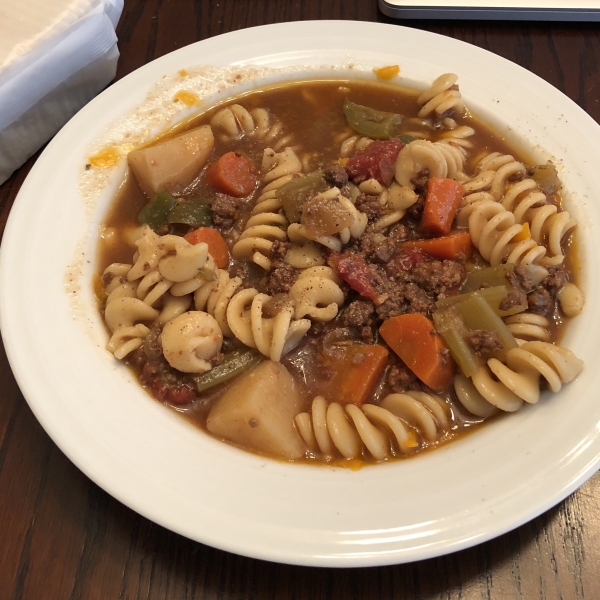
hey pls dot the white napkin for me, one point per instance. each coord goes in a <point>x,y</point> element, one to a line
<point>55,60</point>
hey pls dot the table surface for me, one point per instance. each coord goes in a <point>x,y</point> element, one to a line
<point>61,536</point>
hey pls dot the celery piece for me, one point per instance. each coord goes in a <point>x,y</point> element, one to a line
<point>451,327</point>
<point>156,213</point>
<point>373,123</point>
<point>195,213</point>
<point>295,192</point>
<point>492,295</point>
<point>233,364</point>
<point>476,313</point>
<point>492,276</point>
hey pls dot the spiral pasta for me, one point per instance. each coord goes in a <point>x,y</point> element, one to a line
<point>499,238</point>
<point>492,174</point>
<point>441,159</point>
<point>547,225</point>
<point>441,97</point>
<point>529,326</point>
<point>214,296</point>
<point>165,267</point>
<point>271,336</point>
<point>236,121</point>
<point>354,144</point>
<point>266,224</point>
<point>458,136</point>
<point>316,293</point>
<point>383,431</point>
<point>506,386</point>
<point>190,340</point>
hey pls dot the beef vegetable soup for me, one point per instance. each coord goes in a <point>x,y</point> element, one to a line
<point>329,270</point>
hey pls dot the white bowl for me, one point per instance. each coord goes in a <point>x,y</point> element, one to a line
<point>157,463</point>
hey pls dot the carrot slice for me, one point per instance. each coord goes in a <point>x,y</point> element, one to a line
<point>217,246</point>
<point>414,339</point>
<point>232,174</point>
<point>441,203</point>
<point>451,247</point>
<point>356,373</point>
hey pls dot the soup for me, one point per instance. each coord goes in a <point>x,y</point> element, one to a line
<point>340,271</point>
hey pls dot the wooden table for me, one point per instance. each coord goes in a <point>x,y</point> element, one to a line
<point>62,537</point>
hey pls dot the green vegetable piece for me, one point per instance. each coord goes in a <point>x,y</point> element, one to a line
<point>451,327</point>
<point>492,276</point>
<point>208,274</point>
<point>373,123</point>
<point>295,192</point>
<point>546,177</point>
<point>156,213</point>
<point>492,295</point>
<point>195,213</point>
<point>233,365</point>
<point>476,313</point>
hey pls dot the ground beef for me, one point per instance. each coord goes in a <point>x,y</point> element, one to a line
<point>376,246</point>
<point>518,278</point>
<point>417,300</point>
<point>416,210</point>
<point>401,379</point>
<point>357,314</point>
<point>371,206</point>
<point>346,191</point>
<point>514,298</point>
<point>400,297</point>
<point>224,210</point>
<point>484,342</point>
<point>281,278</point>
<point>439,277</point>
<point>421,181</point>
<point>335,175</point>
<point>279,250</point>
<point>557,277</point>
<point>540,301</point>
<point>383,252</point>
<point>163,383</point>
<point>399,233</point>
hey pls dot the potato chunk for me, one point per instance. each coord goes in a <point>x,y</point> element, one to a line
<point>173,164</point>
<point>257,412</point>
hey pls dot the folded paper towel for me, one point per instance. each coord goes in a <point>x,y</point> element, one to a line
<point>58,56</point>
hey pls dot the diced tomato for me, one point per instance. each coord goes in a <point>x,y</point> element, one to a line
<point>353,269</point>
<point>376,161</point>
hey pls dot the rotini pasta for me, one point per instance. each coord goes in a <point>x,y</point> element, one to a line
<point>384,430</point>
<point>440,159</point>
<point>317,294</point>
<point>236,121</point>
<point>499,238</point>
<point>442,96</point>
<point>507,386</point>
<point>271,336</point>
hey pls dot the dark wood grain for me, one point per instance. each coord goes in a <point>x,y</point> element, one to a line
<point>62,537</point>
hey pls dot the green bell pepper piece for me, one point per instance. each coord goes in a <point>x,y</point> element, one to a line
<point>373,123</point>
